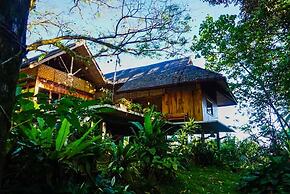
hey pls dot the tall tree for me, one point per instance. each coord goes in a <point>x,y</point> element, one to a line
<point>253,51</point>
<point>13,23</point>
<point>142,28</point>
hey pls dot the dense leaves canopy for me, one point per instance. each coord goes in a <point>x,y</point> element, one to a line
<point>253,51</point>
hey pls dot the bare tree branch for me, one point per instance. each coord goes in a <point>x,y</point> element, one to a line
<point>143,26</point>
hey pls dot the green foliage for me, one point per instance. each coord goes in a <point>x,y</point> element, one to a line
<point>271,178</point>
<point>62,142</point>
<point>130,105</point>
<point>55,148</point>
<point>62,134</point>
<point>157,163</point>
<point>107,97</point>
<point>183,149</point>
<point>256,63</point>
<point>204,153</point>
<point>124,161</point>
<point>245,154</point>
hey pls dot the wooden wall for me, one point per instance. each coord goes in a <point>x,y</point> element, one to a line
<point>62,78</point>
<point>58,82</point>
<point>187,101</point>
<point>173,102</point>
<point>140,94</point>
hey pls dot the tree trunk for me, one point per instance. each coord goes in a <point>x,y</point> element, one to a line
<point>13,24</point>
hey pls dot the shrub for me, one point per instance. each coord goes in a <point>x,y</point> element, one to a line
<point>54,148</point>
<point>183,149</point>
<point>204,153</point>
<point>124,161</point>
<point>271,178</point>
<point>136,107</point>
<point>245,154</point>
<point>156,161</point>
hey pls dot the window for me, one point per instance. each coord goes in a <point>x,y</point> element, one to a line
<point>209,107</point>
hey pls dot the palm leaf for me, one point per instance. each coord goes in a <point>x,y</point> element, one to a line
<point>62,134</point>
<point>148,124</point>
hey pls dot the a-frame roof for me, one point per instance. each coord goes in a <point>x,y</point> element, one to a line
<point>90,68</point>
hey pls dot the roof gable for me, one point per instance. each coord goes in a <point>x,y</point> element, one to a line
<point>86,69</point>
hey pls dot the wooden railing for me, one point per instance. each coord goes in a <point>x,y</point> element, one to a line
<point>63,78</point>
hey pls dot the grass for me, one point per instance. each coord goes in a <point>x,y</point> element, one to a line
<point>203,180</point>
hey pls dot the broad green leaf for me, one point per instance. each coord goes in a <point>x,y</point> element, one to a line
<point>152,151</point>
<point>41,122</point>
<point>113,181</point>
<point>27,105</point>
<point>35,132</point>
<point>126,188</point>
<point>74,120</point>
<point>78,145</point>
<point>174,166</point>
<point>46,137</point>
<point>148,124</point>
<point>28,133</point>
<point>88,103</point>
<point>138,125</point>
<point>62,134</point>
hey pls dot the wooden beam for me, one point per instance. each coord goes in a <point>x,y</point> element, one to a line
<point>141,94</point>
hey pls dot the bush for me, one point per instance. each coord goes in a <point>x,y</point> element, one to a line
<point>124,162</point>
<point>204,153</point>
<point>245,154</point>
<point>271,178</point>
<point>54,148</point>
<point>157,163</point>
<point>183,149</point>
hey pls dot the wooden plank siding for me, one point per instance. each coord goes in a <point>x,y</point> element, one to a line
<point>183,101</point>
<point>173,102</point>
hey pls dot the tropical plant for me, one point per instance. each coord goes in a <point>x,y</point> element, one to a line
<point>131,105</point>
<point>142,28</point>
<point>124,162</point>
<point>106,97</point>
<point>256,62</point>
<point>57,158</point>
<point>183,149</point>
<point>244,154</point>
<point>46,151</point>
<point>156,162</point>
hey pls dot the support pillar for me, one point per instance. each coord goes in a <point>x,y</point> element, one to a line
<point>218,140</point>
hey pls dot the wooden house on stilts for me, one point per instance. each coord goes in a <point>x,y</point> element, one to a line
<point>177,88</point>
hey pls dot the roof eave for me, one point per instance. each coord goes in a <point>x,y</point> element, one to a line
<point>168,85</point>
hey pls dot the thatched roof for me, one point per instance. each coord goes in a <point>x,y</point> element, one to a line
<point>167,74</point>
<point>161,74</point>
<point>90,70</point>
